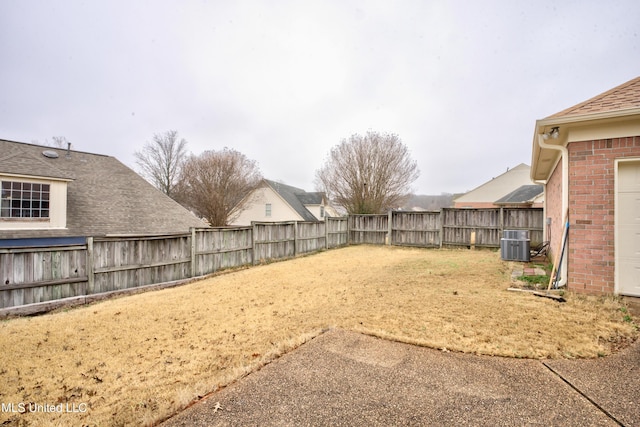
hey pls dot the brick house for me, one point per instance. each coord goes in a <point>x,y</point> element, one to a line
<point>588,158</point>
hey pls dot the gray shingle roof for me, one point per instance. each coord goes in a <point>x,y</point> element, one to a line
<point>297,198</point>
<point>104,196</point>
<point>15,159</point>
<point>521,195</point>
<point>313,198</point>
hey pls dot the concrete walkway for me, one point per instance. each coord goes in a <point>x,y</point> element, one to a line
<point>347,379</point>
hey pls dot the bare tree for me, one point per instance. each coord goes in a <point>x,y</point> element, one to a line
<point>368,174</point>
<point>59,141</point>
<point>56,141</point>
<point>214,183</point>
<point>160,161</point>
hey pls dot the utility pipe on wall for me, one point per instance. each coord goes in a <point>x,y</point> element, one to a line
<point>564,153</point>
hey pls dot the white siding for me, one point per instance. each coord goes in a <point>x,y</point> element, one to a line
<point>315,210</point>
<point>57,207</point>
<point>498,187</point>
<point>280,210</point>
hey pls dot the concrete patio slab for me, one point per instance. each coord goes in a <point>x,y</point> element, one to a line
<point>347,379</point>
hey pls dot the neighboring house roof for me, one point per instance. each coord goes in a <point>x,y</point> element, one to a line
<point>497,187</point>
<point>609,109</point>
<point>103,197</point>
<point>310,198</point>
<point>525,194</point>
<point>16,160</point>
<point>297,198</point>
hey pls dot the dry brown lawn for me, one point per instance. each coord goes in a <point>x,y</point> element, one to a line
<point>138,359</point>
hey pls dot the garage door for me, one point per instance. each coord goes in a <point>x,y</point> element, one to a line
<point>628,229</point>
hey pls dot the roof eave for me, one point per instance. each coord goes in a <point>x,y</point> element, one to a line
<point>527,203</point>
<point>36,177</point>
<point>542,172</point>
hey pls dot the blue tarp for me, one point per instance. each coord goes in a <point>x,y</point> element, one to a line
<point>42,242</point>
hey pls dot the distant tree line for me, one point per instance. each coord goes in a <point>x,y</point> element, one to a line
<point>364,174</point>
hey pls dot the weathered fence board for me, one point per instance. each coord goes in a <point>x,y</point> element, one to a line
<point>24,270</point>
<point>487,225</point>
<point>273,240</point>
<point>310,237</point>
<point>221,248</point>
<point>449,227</point>
<point>458,226</point>
<point>372,229</point>
<point>415,229</point>
<point>122,263</point>
<point>337,230</point>
<point>525,219</point>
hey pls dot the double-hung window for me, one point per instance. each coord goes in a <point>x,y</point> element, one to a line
<point>24,200</point>
<point>267,209</point>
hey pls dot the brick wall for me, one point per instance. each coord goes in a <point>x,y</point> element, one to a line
<point>553,201</point>
<point>592,211</point>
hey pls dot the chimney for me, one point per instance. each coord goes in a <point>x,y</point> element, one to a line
<point>68,150</point>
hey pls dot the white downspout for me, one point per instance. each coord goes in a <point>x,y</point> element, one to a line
<point>545,231</point>
<point>564,153</point>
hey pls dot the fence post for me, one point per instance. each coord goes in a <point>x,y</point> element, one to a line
<point>194,260</point>
<point>295,238</point>
<point>389,226</point>
<point>501,229</point>
<point>90,274</point>
<point>348,229</point>
<point>253,243</point>
<point>326,232</point>
<point>441,232</point>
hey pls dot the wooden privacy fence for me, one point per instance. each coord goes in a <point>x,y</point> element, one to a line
<point>31,275</point>
<point>219,248</point>
<point>487,225</point>
<point>448,227</point>
<point>105,264</point>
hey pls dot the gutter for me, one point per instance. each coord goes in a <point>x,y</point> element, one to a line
<point>581,118</point>
<point>564,153</point>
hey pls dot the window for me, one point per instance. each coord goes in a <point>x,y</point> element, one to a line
<point>267,209</point>
<point>24,200</point>
<point>321,211</point>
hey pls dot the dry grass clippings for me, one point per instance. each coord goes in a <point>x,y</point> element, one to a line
<point>138,359</point>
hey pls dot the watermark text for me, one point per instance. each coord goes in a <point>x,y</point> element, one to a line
<point>60,408</point>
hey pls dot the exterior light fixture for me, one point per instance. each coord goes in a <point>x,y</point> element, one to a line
<point>554,133</point>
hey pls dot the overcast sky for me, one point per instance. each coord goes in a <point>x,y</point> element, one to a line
<point>461,82</point>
